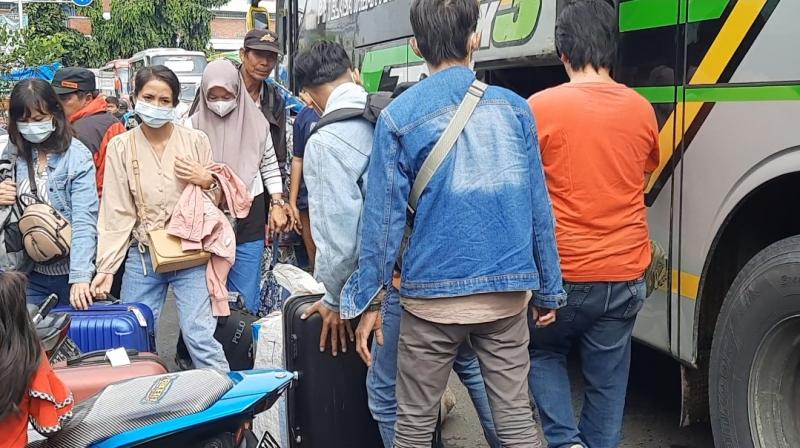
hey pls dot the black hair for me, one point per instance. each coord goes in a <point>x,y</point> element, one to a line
<point>586,33</point>
<point>31,95</point>
<point>443,28</point>
<point>160,73</point>
<point>112,100</point>
<point>20,350</point>
<point>324,62</point>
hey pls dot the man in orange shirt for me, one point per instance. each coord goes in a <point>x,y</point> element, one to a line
<point>599,142</point>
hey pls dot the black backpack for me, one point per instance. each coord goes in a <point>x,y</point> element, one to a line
<point>376,102</point>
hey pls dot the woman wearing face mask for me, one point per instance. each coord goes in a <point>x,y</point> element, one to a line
<point>240,139</point>
<point>64,175</point>
<point>169,157</point>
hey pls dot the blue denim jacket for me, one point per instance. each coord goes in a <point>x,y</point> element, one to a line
<point>73,193</point>
<point>483,224</point>
<point>335,170</point>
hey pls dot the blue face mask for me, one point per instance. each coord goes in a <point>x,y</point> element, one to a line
<point>154,116</point>
<point>36,131</point>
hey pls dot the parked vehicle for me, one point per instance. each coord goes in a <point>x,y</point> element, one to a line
<point>726,108</point>
<point>187,65</point>
<point>113,78</point>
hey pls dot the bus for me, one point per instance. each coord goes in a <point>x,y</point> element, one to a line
<point>187,65</point>
<point>113,78</point>
<point>725,84</point>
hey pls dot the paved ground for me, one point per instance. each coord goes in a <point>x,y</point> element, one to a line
<point>652,412</point>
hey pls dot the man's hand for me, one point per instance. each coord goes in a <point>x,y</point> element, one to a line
<point>192,172</point>
<point>333,325</point>
<point>543,316</point>
<point>370,321</point>
<point>101,285</point>
<point>80,296</point>
<point>8,192</point>
<point>296,224</point>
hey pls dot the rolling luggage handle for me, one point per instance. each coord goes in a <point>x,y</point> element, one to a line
<point>98,354</point>
<point>111,300</point>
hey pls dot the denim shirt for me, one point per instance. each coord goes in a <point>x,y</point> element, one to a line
<point>483,224</point>
<point>72,191</point>
<point>334,170</point>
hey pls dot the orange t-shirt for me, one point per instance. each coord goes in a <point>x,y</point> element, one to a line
<point>597,141</point>
<point>47,405</point>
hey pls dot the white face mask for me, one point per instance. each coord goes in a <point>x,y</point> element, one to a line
<point>36,131</point>
<point>154,116</point>
<point>222,108</point>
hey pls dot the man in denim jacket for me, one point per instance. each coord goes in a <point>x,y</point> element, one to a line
<point>483,234</point>
<point>335,170</point>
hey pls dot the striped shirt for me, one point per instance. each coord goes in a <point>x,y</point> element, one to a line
<point>60,267</point>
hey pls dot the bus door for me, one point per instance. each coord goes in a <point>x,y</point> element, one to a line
<point>650,60</point>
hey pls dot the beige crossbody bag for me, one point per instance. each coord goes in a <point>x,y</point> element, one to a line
<point>166,252</point>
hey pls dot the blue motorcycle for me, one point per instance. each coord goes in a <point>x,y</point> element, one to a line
<point>197,408</point>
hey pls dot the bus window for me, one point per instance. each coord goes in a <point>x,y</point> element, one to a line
<point>183,65</point>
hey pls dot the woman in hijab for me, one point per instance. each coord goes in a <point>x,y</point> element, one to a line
<point>239,136</point>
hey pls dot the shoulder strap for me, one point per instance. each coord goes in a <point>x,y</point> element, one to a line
<point>140,208</point>
<point>335,117</point>
<point>446,142</point>
<point>32,177</point>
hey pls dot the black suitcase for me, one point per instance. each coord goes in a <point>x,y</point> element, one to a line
<point>328,406</point>
<point>235,333</point>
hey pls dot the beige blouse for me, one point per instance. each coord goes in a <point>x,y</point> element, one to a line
<point>119,220</point>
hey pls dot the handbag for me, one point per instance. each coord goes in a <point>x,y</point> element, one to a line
<point>46,235</point>
<point>166,251</point>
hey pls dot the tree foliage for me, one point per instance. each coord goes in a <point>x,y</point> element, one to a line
<point>135,25</point>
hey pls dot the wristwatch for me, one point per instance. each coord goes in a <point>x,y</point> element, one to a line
<point>280,202</point>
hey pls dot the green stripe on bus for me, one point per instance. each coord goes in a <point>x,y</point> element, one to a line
<point>645,14</point>
<point>718,94</point>
<point>376,60</point>
<point>743,93</point>
<point>665,94</point>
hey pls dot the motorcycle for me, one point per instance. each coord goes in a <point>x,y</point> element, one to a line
<point>195,408</point>
<point>53,331</point>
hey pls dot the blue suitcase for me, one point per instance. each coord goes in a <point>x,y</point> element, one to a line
<point>107,325</point>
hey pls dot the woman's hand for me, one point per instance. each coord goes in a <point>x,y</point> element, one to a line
<point>101,285</point>
<point>192,172</point>
<point>80,296</point>
<point>278,221</point>
<point>8,192</point>
<point>295,223</point>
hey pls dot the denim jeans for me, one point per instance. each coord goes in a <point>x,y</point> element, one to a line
<point>40,286</point>
<point>381,377</point>
<point>191,295</point>
<point>245,274</point>
<point>598,321</point>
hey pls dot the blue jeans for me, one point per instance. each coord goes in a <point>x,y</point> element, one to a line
<point>382,375</point>
<point>598,320</point>
<point>40,286</point>
<point>245,274</point>
<point>191,295</point>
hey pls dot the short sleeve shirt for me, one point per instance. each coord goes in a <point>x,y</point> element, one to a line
<point>597,141</point>
<point>303,125</point>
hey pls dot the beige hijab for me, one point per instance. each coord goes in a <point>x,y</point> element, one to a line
<point>239,138</point>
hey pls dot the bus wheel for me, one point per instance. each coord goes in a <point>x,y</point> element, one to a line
<point>754,375</point>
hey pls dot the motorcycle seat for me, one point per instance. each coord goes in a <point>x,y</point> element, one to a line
<point>139,402</point>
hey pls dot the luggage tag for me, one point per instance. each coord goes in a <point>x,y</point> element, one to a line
<point>118,357</point>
